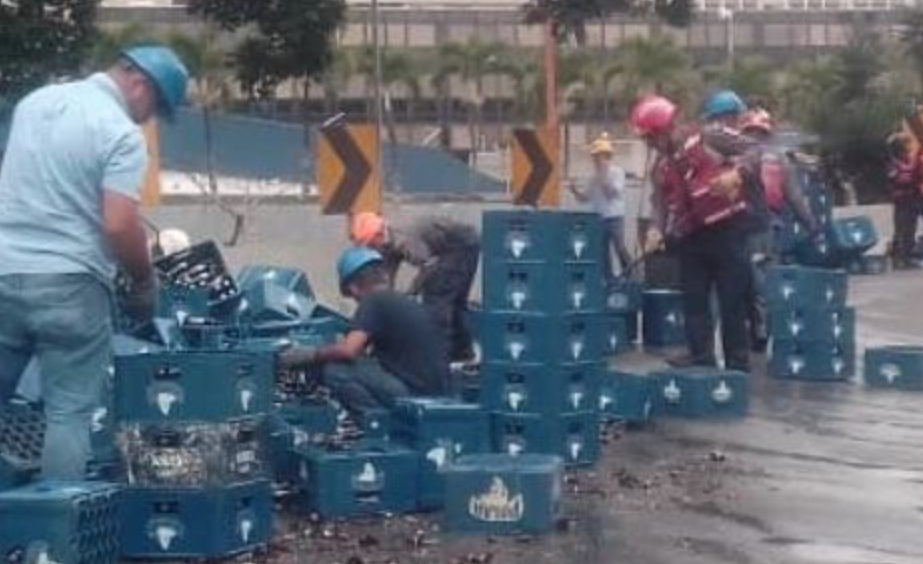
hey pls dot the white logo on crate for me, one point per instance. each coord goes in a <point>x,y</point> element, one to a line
<point>37,553</point>
<point>613,342</point>
<point>515,448</point>
<point>369,475</point>
<point>576,448</point>
<point>788,290</point>
<point>856,234</point>
<point>518,297</point>
<point>518,246</point>
<point>246,398</point>
<point>795,328</point>
<point>890,372</point>
<point>605,400</point>
<point>838,366</point>
<point>796,365</point>
<point>671,392</point>
<point>516,348</point>
<point>165,401</point>
<point>576,399</point>
<point>830,294</point>
<point>99,420</point>
<point>576,348</point>
<point>579,245</point>
<point>437,456</point>
<point>246,528</point>
<point>496,505</point>
<point>723,393</point>
<point>165,534</point>
<point>515,399</point>
<point>577,298</point>
<point>648,407</point>
<point>673,318</point>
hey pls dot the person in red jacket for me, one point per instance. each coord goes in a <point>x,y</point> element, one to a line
<point>905,178</point>
<point>700,206</point>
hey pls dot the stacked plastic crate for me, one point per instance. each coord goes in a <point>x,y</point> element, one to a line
<point>812,332</point>
<point>190,434</point>
<point>542,332</point>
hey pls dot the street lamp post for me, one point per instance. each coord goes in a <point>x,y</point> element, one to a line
<point>727,15</point>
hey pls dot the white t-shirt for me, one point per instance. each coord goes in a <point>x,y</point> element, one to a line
<point>606,194</point>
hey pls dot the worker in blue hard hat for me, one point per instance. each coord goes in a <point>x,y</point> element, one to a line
<point>394,348</point>
<point>725,108</point>
<point>70,183</point>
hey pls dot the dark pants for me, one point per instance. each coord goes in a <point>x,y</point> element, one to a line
<point>614,233</point>
<point>445,293</point>
<point>907,213</point>
<point>363,385</point>
<point>761,255</point>
<point>715,259</point>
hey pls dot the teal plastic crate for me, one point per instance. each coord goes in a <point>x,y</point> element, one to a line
<point>796,287</point>
<point>626,397</point>
<point>852,236</point>
<point>63,522</point>
<point>816,361</point>
<point>441,430</point>
<point>618,338</point>
<point>359,479</point>
<point>701,393</point>
<point>291,279</point>
<point>539,338</point>
<point>663,318</point>
<point>575,438</point>
<point>196,523</point>
<point>895,367</point>
<point>497,494</point>
<point>539,388</point>
<point>814,325</point>
<point>540,235</point>
<point>543,287</point>
<point>623,296</point>
<point>267,302</point>
<point>22,434</point>
<point>206,386</point>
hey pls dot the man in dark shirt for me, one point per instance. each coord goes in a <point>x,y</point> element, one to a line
<point>445,253</point>
<point>393,349</point>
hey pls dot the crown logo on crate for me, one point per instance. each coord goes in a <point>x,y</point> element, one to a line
<point>890,372</point>
<point>723,393</point>
<point>672,393</point>
<point>496,505</point>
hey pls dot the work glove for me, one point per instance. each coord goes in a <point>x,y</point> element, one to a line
<point>139,301</point>
<point>297,357</point>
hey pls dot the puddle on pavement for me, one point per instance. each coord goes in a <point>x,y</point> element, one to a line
<point>822,553</point>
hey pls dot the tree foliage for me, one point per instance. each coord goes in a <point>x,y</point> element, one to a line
<point>570,17</point>
<point>41,40</point>
<point>284,39</point>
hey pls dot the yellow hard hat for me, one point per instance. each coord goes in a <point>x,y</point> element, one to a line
<point>602,145</point>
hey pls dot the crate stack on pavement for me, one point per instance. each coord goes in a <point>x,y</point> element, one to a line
<point>812,331</point>
<point>541,332</point>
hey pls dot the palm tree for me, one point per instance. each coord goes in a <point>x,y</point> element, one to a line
<point>471,63</point>
<point>401,71</point>
<point>754,78</point>
<point>108,44</point>
<point>652,65</point>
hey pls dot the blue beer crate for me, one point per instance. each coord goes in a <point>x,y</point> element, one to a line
<point>896,367</point>
<point>182,302</point>
<point>819,252</point>
<point>498,494</point>
<point>540,338</point>
<point>626,397</point>
<point>62,522</point>
<point>291,279</point>
<point>207,386</point>
<point>618,332</point>
<point>543,287</point>
<point>701,393</point>
<point>552,236</point>
<point>22,434</point>
<point>206,523</point>
<point>814,324</point>
<point>440,430</point>
<point>852,236</point>
<point>816,361</point>
<point>623,296</point>
<point>189,455</point>
<point>297,425</point>
<point>540,388</point>
<point>663,318</point>
<point>575,438</point>
<point>267,302</point>
<point>802,287</point>
<point>359,479</point>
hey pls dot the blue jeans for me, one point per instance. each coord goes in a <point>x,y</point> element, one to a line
<point>65,322</point>
<point>363,385</point>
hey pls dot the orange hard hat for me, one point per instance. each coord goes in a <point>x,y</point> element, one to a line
<point>652,115</point>
<point>365,227</point>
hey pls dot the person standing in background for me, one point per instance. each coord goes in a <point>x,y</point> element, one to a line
<point>605,192</point>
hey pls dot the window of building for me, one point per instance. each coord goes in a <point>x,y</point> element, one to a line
<point>776,35</point>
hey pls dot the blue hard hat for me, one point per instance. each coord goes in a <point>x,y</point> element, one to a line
<point>163,68</point>
<point>723,103</point>
<point>352,261</point>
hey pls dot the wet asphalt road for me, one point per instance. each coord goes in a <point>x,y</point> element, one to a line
<point>819,473</point>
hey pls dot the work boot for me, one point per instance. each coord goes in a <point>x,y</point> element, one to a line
<point>689,361</point>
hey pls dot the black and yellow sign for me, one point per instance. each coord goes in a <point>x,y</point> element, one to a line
<point>347,174</point>
<point>535,179</point>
